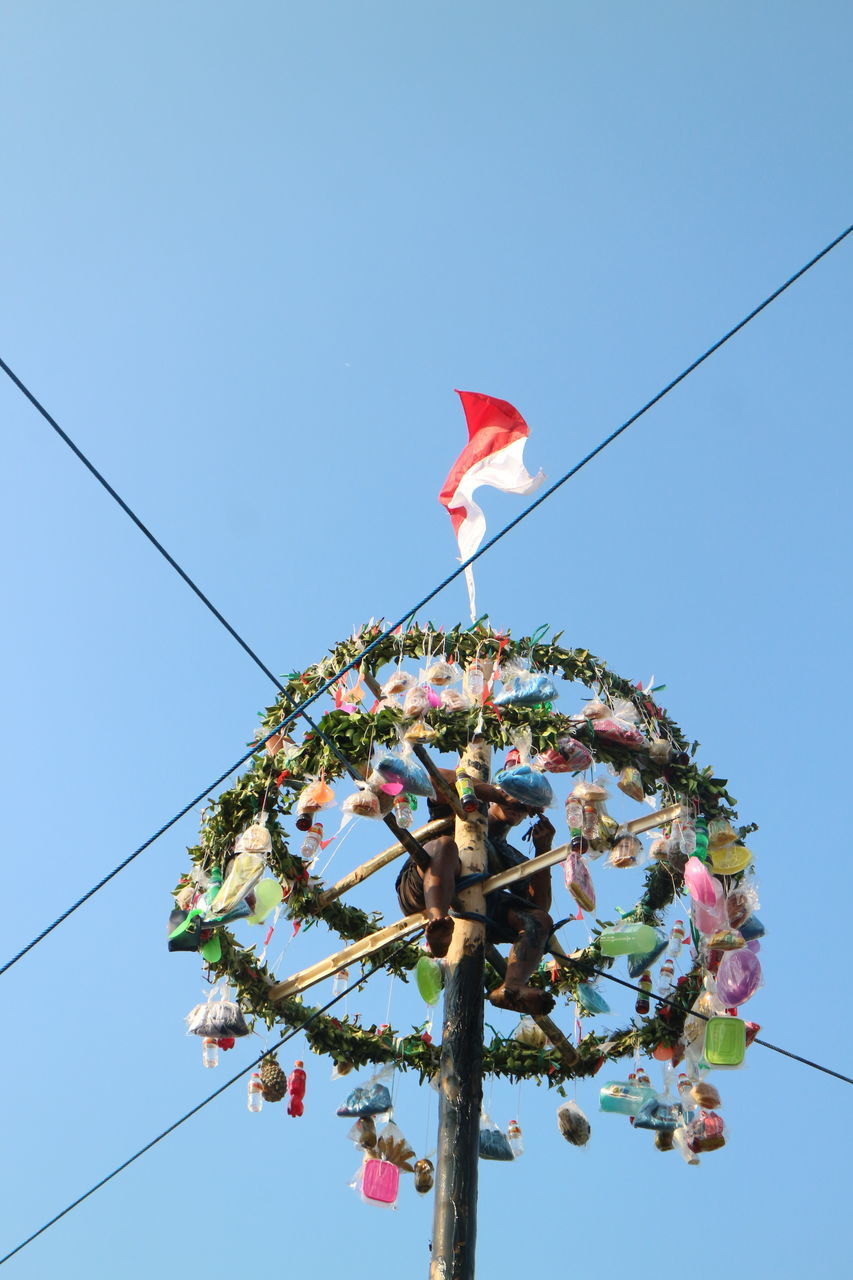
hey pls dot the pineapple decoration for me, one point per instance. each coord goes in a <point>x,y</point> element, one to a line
<point>273,1079</point>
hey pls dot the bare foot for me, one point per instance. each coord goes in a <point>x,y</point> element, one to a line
<point>522,999</point>
<point>438,934</point>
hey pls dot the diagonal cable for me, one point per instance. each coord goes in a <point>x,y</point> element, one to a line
<point>410,613</point>
<point>199,1106</point>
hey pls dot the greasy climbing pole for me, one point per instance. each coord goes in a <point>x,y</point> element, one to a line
<point>461,1069</point>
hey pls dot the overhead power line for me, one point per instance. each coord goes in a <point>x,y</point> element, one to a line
<point>410,613</point>
<point>200,1106</point>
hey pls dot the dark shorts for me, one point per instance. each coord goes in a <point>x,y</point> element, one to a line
<point>410,895</point>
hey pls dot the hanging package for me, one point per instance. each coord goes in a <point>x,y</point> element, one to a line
<point>371,1099</point>
<point>573,1124</point>
<point>494,1144</point>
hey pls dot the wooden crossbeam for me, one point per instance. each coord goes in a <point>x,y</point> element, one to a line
<point>410,924</point>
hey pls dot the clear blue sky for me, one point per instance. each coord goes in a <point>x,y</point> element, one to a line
<point>247,254</point>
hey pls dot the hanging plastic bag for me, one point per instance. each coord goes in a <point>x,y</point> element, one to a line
<point>706,1132</point>
<point>363,1134</point>
<point>440,673</point>
<point>579,881</point>
<point>416,701</point>
<point>529,1033</point>
<point>573,1124</point>
<point>217,1019</point>
<point>630,782</point>
<point>526,785</point>
<point>370,1099</point>
<point>363,803</point>
<point>576,755</point>
<point>710,918</point>
<point>244,872</point>
<point>494,1144</point>
<point>624,1097</point>
<point>738,977</point>
<point>627,851</point>
<point>256,838</point>
<point>391,1145</point>
<point>590,998</point>
<point>424,1175</point>
<point>699,882</point>
<point>401,765</point>
<point>616,724</point>
<point>659,1115</point>
<point>455,700</point>
<point>399,682</point>
<point>524,688</point>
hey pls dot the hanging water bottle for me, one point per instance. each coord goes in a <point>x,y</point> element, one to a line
<point>676,938</point>
<point>475,681</point>
<point>340,982</point>
<point>255,1093</point>
<point>209,1052</point>
<point>311,843</point>
<point>403,811</point>
<point>516,1141</point>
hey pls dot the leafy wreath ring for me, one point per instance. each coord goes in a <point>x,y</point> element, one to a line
<point>272,781</point>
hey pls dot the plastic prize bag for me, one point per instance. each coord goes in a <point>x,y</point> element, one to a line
<point>576,755</point>
<point>640,963</point>
<point>363,803</point>
<point>370,1099</point>
<point>579,882</point>
<point>401,765</point>
<point>630,782</point>
<point>256,838</point>
<point>494,1144</point>
<point>616,724</point>
<point>440,673</point>
<point>455,700</point>
<point>217,1019</point>
<point>530,1033</point>
<point>590,998</point>
<point>524,688</point>
<point>416,702</point>
<point>659,1115</point>
<point>244,872</point>
<point>573,1124</point>
<point>627,851</point>
<point>400,682</point>
<point>706,1132</point>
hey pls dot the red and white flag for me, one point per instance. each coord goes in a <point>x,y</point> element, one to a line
<point>494,455</point>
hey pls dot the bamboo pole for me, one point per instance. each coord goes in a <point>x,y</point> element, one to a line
<point>432,829</point>
<point>461,1066</point>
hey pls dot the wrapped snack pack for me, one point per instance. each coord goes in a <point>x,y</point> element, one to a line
<point>371,1099</point>
<point>494,1144</point>
<point>573,1124</point>
<point>404,767</point>
<point>579,882</point>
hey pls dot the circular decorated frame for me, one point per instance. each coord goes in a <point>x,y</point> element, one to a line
<point>272,783</point>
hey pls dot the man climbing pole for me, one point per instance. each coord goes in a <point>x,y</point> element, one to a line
<point>520,918</point>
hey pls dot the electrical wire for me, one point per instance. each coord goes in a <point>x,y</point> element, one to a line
<point>194,1110</point>
<point>681,1008</point>
<point>410,613</point>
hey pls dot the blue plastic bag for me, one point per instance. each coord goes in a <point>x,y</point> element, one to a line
<point>526,785</point>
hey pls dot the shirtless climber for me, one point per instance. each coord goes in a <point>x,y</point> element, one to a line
<point>520,918</point>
